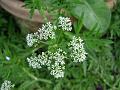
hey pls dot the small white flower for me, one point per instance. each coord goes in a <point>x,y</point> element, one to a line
<point>38,61</point>
<point>54,62</point>
<point>47,31</point>
<point>58,66</point>
<point>7,85</point>
<point>78,52</point>
<point>65,23</point>
<point>30,40</point>
<point>57,71</point>
<point>7,58</point>
<point>33,62</point>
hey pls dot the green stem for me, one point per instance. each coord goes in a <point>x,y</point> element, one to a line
<point>80,24</point>
<point>29,74</point>
<point>59,36</point>
<point>35,78</point>
<point>43,42</point>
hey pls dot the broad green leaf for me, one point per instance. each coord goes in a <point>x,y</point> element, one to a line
<point>95,12</point>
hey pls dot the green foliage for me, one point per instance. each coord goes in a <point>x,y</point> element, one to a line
<point>114,30</point>
<point>33,4</point>
<point>12,45</point>
<point>101,70</point>
<point>92,11</point>
<point>95,12</point>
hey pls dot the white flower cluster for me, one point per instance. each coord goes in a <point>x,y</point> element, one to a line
<point>53,61</point>
<point>77,47</point>
<point>39,61</point>
<point>58,64</point>
<point>30,40</point>
<point>47,31</point>
<point>65,23</point>
<point>6,85</point>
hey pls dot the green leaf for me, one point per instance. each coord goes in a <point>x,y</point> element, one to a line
<point>95,12</point>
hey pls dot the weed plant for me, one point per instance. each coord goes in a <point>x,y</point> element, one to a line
<point>100,71</point>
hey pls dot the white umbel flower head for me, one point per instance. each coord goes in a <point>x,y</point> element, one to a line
<point>65,23</point>
<point>47,31</point>
<point>7,85</point>
<point>38,61</point>
<point>54,62</point>
<point>58,66</point>
<point>30,40</point>
<point>78,52</point>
